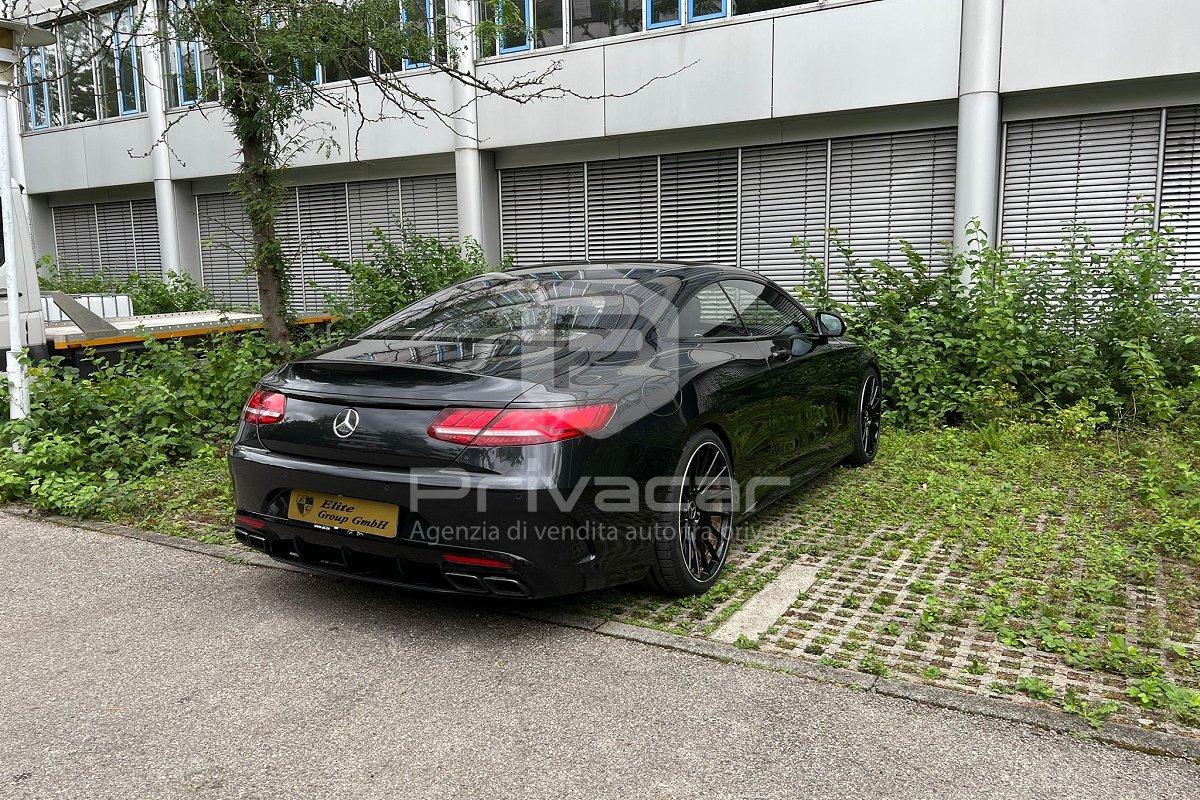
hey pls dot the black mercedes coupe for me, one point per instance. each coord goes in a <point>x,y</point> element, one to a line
<point>552,430</point>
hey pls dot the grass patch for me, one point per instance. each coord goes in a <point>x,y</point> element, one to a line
<point>194,500</point>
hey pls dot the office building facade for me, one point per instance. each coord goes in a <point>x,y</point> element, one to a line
<point>693,129</point>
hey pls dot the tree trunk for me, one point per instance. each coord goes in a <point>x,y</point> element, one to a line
<point>261,192</point>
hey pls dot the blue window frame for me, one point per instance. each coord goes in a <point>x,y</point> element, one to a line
<point>38,97</point>
<point>125,57</point>
<point>310,72</point>
<point>189,76</point>
<point>523,38</point>
<point>663,13</point>
<point>701,10</point>
<point>408,63</point>
<point>187,62</point>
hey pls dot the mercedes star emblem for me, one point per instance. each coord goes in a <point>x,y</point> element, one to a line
<point>345,423</point>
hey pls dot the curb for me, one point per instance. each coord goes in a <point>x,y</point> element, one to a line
<point>1129,737</point>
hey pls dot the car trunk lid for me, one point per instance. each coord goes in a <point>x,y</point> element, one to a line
<point>386,408</point>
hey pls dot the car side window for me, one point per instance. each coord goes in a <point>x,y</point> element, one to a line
<point>764,310</point>
<point>708,315</point>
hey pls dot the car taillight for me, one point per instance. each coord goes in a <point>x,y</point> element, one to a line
<point>264,408</point>
<point>476,561</point>
<point>491,427</point>
<point>247,521</point>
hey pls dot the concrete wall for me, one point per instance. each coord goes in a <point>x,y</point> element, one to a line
<point>807,61</point>
<point>88,156</point>
<point>804,61</point>
<point>203,146</point>
<point>1056,43</point>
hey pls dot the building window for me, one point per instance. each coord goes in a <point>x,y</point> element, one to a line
<point>513,18</point>
<point>118,71</point>
<point>354,64</point>
<point>309,71</point>
<point>700,10</point>
<point>125,56</point>
<point>547,22</point>
<point>599,19</point>
<point>41,92</point>
<point>754,6</point>
<point>193,75</point>
<point>79,76</point>
<point>521,25</point>
<point>431,15</point>
<point>663,13</point>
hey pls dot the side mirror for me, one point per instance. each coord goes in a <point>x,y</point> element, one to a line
<point>830,323</point>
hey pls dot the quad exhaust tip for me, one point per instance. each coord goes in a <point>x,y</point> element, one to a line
<point>490,584</point>
<point>251,540</point>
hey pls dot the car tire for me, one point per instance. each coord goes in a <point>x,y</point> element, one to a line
<point>691,539</point>
<point>868,420</point>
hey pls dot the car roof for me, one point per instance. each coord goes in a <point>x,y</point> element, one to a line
<point>640,269</point>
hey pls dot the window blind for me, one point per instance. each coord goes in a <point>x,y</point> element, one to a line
<point>542,214</point>
<point>622,209</point>
<point>885,189</point>
<point>783,198</point>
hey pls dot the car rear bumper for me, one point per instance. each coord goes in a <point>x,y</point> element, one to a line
<point>518,520</point>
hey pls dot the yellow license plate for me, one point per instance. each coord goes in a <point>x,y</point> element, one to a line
<point>347,513</point>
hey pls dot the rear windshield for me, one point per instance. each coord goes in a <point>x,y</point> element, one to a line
<point>530,309</point>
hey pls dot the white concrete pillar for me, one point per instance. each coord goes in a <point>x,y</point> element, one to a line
<point>160,156</point>
<point>23,233</point>
<point>474,169</point>
<point>188,232</point>
<point>41,226</point>
<point>977,190</point>
<point>15,150</point>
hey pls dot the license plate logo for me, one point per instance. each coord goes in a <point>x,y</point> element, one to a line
<point>305,503</point>
<point>346,513</point>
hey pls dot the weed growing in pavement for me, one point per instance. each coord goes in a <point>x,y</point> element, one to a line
<point>1093,713</point>
<point>1157,693</point>
<point>1036,688</point>
<point>874,665</point>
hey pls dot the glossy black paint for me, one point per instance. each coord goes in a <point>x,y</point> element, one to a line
<point>784,404</point>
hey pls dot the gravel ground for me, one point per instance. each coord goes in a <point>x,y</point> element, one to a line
<point>132,670</point>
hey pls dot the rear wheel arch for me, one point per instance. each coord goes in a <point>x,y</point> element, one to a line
<point>720,432</point>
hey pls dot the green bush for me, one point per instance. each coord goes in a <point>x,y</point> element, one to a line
<point>1080,336</point>
<point>87,435</point>
<point>150,294</point>
<point>395,273</point>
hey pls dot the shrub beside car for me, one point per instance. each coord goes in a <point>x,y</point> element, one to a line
<point>1081,336</point>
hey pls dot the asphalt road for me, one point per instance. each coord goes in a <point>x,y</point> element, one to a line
<point>132,670</point>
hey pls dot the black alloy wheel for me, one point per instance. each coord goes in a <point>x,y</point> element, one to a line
<point>690,556</point>
<point>869,421</point>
